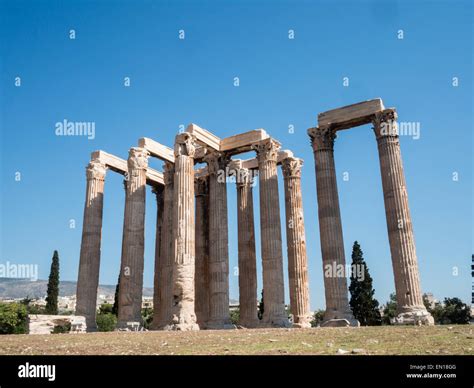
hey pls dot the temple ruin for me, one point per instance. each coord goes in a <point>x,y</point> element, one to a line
<point>191,277</point>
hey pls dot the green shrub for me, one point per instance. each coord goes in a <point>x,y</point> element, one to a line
<point>318,317</point>
<point>235,316</point>
<point>61,326</point>
<point>105,308</point>
<point>13,318</point>
<point>147,317</point>
<point>106,322</point>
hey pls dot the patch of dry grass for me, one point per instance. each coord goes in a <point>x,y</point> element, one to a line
<point>365,340</point>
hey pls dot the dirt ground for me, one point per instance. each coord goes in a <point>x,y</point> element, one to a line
<point>337,341</point>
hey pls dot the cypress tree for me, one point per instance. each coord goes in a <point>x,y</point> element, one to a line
<point>115,306</point>
<point>261,308</point>
<point>53,286</point>
<point>363,304</point>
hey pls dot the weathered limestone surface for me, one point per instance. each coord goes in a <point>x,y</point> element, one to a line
<point>157,284</point>
<point>296,243</point>
<point>183,314</point>
<point>133,243</point>
<point>272,259</point>
<point>191,257</point>
<point>162,312</point>
<point>246,248</point>
<point>351,115</point>
<point>219,315</point>
<point>89,262</point>
<point>120,166</point>
<point>44,324</point>
<point>156,149</point>
<point>400,229</point>
<point>202,251</point>
<point>330,227</point>
<point>204,137</point>
<point>242,142</point>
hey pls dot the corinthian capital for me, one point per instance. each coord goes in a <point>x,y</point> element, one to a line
<point>184,145</point>
<point>216,161</point>
<point>385,123</point>
<point>267,150</point>
<point>292,167</point>
<point>322,138</point>
<point>96,170</point>
<point>137,160</point>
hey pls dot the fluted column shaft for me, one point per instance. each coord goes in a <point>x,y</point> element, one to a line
<point>133,242</point>
<point>399,225</point>
<point>270,224</point>
<point>89,263</point>
<point>296,243</point>
<point>202,251</point>
<point>330,226</point>
<point>183,314</point>
<point>246,248</point>
<point>162,308</point>
<point>219,315</point>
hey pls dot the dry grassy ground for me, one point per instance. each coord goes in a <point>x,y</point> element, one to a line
<point>366,340</point>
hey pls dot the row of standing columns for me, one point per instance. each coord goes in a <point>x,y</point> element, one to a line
<point>191,257</point>
<point>191,260</point>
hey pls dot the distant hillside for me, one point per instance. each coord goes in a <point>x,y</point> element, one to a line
<point>21,288</point>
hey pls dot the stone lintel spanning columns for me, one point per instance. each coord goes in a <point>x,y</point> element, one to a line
<point>330,227</point>
<point>219,315</point>
<point>162,312</point>
<point>88,279</point>
<point>119,165</point>
<point>246,247</point>
<point>272,259</point>
<point>202,250</point>
<point>400,229</point>
<point>133,243</point>
<point>351,115</point>
<point>183,314</point>
<point>296,243</point>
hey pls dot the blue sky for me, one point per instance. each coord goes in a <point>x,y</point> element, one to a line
<point>283,82</point>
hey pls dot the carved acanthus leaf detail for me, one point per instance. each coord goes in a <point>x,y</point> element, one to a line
<point>96,170</point>
<point>292,167</point>
<point>322,138</point>
<point>267,150</point>
<point>137,160</point>
<point>184,145</point>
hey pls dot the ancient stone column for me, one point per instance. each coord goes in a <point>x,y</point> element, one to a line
<point>270,234</point>
<point>133,242</point>
<point>183,315</point>
<point>296,243</point>
<point>88,279</point>
<point>246,248</point>
<point>219,315</point>
<point>162,308</point>
<point>400,230</point>
<point>202,251</point>
<point>330,228</point>
<point>157,284</point>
